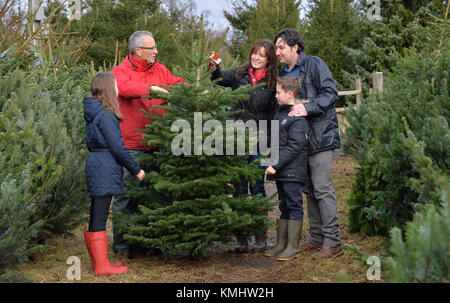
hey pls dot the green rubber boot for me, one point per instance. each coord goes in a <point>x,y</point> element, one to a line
<point>282,228</point>
<point>294,234</point>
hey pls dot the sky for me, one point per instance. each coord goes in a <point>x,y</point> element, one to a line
<point>215,8</point>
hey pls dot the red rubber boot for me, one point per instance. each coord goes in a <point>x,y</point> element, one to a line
<point>99,250</point>
<point>88,246</point>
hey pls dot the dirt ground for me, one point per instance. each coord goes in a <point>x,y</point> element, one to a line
<point>222,265</point>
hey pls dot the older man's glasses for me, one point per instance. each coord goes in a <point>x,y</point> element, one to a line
<point>150,48</point>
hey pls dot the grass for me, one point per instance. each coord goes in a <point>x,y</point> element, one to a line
<point>222,266</point>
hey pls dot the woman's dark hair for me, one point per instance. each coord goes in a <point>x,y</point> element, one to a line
<point>292,38</point>
<point>272,73</point>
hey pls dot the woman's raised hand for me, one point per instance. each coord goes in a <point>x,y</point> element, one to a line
<point>212,64</point>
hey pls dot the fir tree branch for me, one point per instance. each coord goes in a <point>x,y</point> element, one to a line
<point>177,43</point>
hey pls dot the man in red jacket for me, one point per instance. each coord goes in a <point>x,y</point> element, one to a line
<point>135,75</point>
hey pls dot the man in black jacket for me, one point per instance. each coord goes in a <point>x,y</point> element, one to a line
<point>319,89</point>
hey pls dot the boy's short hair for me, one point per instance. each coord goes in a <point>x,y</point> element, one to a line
<point>290,84</point>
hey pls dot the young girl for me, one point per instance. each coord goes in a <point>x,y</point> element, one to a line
<point>104,171</point>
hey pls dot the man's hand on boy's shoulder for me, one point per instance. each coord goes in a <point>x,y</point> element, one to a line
<point>298,110</point>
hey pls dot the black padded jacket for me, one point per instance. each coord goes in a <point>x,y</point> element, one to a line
<point>293,147</point>
<point>319,88</point>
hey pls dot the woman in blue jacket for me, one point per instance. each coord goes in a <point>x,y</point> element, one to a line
<point>104,166</point>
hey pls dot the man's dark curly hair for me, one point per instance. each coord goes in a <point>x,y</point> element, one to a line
<point>292,38</point>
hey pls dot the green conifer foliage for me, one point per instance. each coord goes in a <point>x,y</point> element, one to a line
<point>109,24</point>
<point>390,183</point>
<point>333,30</point>
<point>187,202</point>
<point>272,16</point>
<point>42,155</point>
<point>383,42</point>
<point>262,19</point>
<point>422,254</point>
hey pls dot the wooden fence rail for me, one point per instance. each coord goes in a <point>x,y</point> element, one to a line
<point>377,86</point>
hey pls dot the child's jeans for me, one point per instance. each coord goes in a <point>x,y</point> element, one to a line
<point>291,205</point>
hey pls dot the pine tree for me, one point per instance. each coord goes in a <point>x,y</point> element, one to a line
<point>333,30</point>
<point>187,203</point>
<point>391,184</point>
<point>42,149</point>
<point>109,24</point>
<point>422,255</point>
<point>272,16</point>
<point>239,17</point>
<point>42,190</point>
<point>385,41</point>
<point>261,20</point>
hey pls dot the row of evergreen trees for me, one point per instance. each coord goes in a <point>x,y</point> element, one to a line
<point>105,27</point>
<point>416,100</point>
<point>339,32</point>
<point>401,141</point>
<point>399,138</point>
<point>42,155</point>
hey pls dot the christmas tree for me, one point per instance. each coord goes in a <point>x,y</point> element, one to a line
<point>421,255</point>
<point>187,202</point>
<point>42,155</point>
<point>391,185</point>
<point>261,19</point>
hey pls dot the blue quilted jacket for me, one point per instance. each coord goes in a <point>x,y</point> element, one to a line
<point>108,154</point>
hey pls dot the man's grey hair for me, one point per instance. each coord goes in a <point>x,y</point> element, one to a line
<point>137,39</point>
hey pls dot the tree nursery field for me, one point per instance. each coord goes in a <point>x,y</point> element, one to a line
<point>222,265</point>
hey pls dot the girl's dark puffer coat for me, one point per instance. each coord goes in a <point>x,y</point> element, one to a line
<point>108,154</point>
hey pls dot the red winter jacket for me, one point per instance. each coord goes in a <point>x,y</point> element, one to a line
<point>134,77</point>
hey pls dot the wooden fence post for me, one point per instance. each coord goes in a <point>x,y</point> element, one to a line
<point>377,87</point>
<point>356,92</point>
<point>358,88</point>
<point>377,83</point>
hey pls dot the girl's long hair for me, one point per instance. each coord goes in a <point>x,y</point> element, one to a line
<point>272,73</point>
<point>103,89</point>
